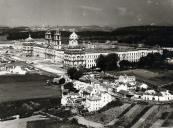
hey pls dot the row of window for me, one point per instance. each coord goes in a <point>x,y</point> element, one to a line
<point>90,65</point>
<point>92,56</point>
<point>91,61</point>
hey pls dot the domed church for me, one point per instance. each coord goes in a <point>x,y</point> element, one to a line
<point>73,54</point>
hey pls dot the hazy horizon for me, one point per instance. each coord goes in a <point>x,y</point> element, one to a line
<point>113,13</point>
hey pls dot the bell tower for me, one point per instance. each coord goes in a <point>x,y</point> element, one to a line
<point>57,39</point>
<point>48,37</point>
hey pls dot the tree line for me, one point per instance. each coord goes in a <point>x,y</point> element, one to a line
<point>107,62</point>
<point>152,60</point>
<point>156,60</point>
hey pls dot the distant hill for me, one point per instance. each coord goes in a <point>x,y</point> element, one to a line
<point>3,37</point>
<point>145,29</point>
<point>150,35</point>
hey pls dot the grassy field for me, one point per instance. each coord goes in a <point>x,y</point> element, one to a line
<point>53,124</point>
<point>157,77</point>
<point>25,87</point>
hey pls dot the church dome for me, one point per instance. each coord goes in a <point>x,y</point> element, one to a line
<point>48,33</point>
<point>29,38</point>
<point>57,32</point>
<point>73,36</point>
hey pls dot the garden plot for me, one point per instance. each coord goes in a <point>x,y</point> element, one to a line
<point>109,115</point>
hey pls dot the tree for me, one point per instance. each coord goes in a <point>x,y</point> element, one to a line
<point>71,72</point>
<point>100,62</point>
<point>124,64</point>
<point>111,61</point>
<point>26,110</point>
<point>152,60</point>
<point>68,85</point>
<point>102,119</point>
<point>157,60</point>
<point>74,73</point>
<point>62,81</point>
<point>167,54</point>
<point>108,62</point>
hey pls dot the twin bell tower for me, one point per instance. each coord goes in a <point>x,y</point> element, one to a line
<point>55,40</point>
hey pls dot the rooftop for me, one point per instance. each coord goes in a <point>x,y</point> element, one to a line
<point>95,50</point>
<point>94,98</point>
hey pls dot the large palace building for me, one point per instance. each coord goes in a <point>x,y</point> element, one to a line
<point>74,54</point>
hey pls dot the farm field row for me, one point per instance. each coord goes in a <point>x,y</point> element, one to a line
<point>135,116</point>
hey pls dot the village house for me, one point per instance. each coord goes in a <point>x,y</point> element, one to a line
<point>126,79</point>
<point>143,86</point>
<point>92,96</point>
<point>96,102</point>
<point>80,85</point>
<point>95,95</point>
<point>122,87</point>
<point>153,96</point>
<point>125,83</point>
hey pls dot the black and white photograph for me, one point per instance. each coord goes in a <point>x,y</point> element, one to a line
<point>86,63</point>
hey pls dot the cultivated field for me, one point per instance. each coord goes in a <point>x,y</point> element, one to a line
<point>135,116</point>
<point>25,87</point>
<point>169,120</point>
<point>109,116</point>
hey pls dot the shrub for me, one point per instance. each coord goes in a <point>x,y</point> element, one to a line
<point>62,81</point>
<point>74,73</point>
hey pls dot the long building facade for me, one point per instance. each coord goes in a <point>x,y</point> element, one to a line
<point>74,55</point>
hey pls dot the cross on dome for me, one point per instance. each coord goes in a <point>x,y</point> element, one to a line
<point>73,36</point>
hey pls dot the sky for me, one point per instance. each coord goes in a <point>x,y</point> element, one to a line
<point>114,13</point>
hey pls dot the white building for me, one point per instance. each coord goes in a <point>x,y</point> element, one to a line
<point>18,45</point>
<point>135,55</point>
<point>97,102</point>
<point>122,87</point>
<point>143,86</point>
<point>18,70</point>
<point>152,96</point>
<point>80,85</point>
<point>126,79</point>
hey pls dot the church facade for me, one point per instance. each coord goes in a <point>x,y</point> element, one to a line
<point>50,49</point>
